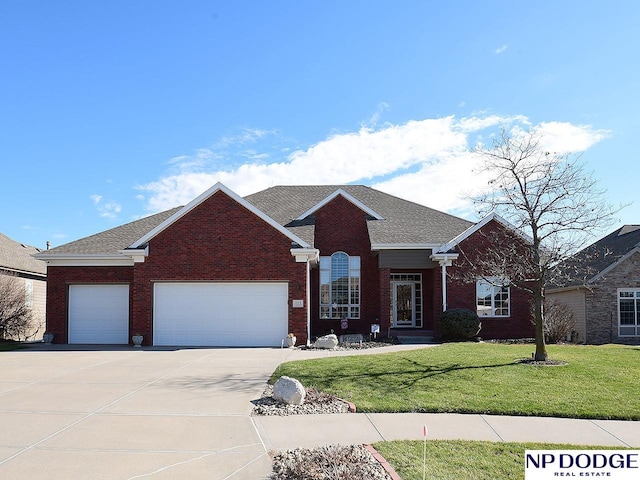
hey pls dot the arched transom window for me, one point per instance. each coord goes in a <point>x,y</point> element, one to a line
<point>340,286</point>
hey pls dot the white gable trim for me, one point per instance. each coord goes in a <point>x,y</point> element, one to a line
<point>614,265</point>
<point>204,196</point>
<point>474,228</point>
<point>348,197</point>
<point>86,260</point>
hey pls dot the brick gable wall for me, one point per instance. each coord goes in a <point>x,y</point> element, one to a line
<point>462,294</point>
<point>219,240</point>
<point>340,226</point>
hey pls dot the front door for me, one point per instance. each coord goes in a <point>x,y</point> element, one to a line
<point>404,299</point>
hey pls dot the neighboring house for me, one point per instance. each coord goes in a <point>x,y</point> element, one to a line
<point>16,261</point>
<point>603,288</point>
<point>307,260</point>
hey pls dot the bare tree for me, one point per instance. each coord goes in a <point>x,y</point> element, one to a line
<point>551,199</point>
<point>16,317</point>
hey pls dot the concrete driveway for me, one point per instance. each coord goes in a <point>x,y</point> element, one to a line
<point>125,413</point>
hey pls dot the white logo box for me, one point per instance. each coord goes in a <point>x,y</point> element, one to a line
<point>556,464</point>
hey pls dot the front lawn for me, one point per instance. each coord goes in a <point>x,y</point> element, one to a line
<point>460,459</point>
<point>598,382</point>
<point>7,345</point>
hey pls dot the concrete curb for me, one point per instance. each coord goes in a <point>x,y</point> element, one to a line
<point>352,406</point>
<point>383,462</point>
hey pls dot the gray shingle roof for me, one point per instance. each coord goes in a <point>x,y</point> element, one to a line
<point>599,256</point>
<point>403,221</point>
<point>16,256</point>
<point>118,238</point>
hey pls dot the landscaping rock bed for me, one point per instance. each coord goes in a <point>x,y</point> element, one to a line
<point>331,462</point>
<point>353,346</point>
<point>315,402</point>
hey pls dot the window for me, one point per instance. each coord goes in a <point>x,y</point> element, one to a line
<point>492,297</point>
<point>629,312</point>
<point>28,293</point>
<point>339,286</point>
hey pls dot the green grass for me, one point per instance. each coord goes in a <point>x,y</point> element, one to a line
<point>8,345</point>
<point>598,382</point>
<point>459,460</point>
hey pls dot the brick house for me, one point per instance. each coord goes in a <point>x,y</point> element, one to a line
<point>603,288</point>
<point>231,271</point>
<point>18,264</point>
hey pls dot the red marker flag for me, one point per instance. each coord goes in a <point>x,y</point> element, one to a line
<point>424,453</point>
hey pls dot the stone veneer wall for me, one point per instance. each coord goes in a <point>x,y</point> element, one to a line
<point>602,303</point>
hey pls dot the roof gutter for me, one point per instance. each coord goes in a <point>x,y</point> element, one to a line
<point>124,258</point>
<point>405,246</point>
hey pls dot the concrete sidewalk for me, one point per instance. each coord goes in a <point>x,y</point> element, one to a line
<point>309,431</point>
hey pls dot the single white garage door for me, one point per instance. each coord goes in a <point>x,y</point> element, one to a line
<point>220,314</point>
<point>99,314</point>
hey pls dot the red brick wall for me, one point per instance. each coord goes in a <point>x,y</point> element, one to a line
<point>385,301</point>
<point>463,295</point>
<point>340,226</point>
<point>219,240</point>
<point>58,281</point>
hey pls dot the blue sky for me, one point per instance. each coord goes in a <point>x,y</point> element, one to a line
<point>110,111</point>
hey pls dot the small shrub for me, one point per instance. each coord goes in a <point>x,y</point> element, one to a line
<point>459,324</point>
<point>559,321</point>
<point>16,318</point>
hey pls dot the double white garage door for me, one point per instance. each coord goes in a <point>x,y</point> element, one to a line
<point>184,314</point>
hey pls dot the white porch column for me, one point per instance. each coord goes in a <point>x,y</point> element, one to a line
<point>443,267</point>
<point>309,256</point>
<point>445,260</point>
<point>308,302</point>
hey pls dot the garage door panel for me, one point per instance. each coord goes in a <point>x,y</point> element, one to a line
<point>99,314</point>
<point>220,314</point>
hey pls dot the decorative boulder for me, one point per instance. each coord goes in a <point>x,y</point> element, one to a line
<point>328,342</point>
<point>289,390</point>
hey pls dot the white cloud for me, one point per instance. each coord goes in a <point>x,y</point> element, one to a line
<point>502,49</point>
<point>106,210</point>
<point>377,115</point>
<point>563,137</point>
<point>427,161</point>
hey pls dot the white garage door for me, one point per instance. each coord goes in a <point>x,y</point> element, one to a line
<point>99,314</point>
<point>220,314</point>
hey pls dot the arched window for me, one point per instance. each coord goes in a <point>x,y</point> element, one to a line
<point>340,286</point>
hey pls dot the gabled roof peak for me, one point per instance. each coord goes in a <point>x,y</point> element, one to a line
<point>200,199</point>
<point>628,229</point>
<point>345,195</point>
<point>477,226</point>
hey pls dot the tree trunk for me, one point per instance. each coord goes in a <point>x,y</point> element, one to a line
<point>541,346</point>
